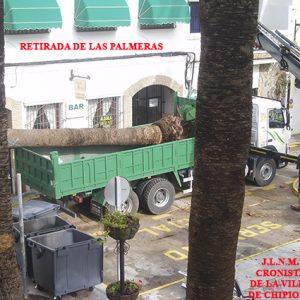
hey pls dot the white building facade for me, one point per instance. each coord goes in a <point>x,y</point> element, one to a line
<point>115,69</point>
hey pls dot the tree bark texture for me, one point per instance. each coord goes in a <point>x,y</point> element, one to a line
<point>222,139</point>
<point>9,275</point>
<point>166,129</point>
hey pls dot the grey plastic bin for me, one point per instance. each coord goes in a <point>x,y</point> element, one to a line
<point>34,209</point>
<point>36,227</point>
<point>66,261</point>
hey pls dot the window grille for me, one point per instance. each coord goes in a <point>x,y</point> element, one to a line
<point>46,116</point>
<point>104,113</point>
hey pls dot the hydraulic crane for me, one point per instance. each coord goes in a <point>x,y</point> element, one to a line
<point>286,52</point>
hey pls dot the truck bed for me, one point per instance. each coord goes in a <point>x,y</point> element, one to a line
<point>68,171</point>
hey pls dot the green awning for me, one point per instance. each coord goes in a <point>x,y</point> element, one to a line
<point>101,13</point>
<point>31,14</point>
<point>155,12</point>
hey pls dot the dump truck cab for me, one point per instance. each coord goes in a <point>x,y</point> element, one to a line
<point>270,124</point>
<point>270,130</point>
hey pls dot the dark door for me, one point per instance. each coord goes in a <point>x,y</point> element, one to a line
<point>147,105</point>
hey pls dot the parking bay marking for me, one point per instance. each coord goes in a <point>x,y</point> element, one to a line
<point>161,216</point>
<point>261,228</point>
<point>245,233</point>
<point>161,228</point>
<point>238,260</point>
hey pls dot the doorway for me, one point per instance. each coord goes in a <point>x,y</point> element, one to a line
<point>151,103</point>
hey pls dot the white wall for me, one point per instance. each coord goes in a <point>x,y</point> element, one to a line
<point>67,34</point>
<point>50,83</point>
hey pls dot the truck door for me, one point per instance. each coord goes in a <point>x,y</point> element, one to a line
<point>277,133</point>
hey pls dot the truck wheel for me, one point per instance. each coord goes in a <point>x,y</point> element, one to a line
<point>140,191</point>
<point>132,203</point>
<point>158,196</point>
<point>141,187</point>
<point>265,172</point>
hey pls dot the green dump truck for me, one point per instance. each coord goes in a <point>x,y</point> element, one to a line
<point>154,171</point>
<point>80,173</point>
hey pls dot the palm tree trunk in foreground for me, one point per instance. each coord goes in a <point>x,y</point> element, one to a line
<point>9,275</point>
<point>223,130</point>
<point>166,129</point>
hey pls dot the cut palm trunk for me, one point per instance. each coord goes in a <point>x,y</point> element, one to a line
<point>167,129</point>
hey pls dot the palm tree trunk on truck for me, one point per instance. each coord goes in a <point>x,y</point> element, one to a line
<point>168,128</point>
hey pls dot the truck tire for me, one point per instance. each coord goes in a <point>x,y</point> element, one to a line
<point>131,205</point>
<point>158,196</point>
<point>265,172</point>
<point>141,187</point>
<point>140,191</point>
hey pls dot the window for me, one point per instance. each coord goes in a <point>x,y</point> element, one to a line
<point>255,92</point>
<point>104,113</point>
<point>195,17</point>
<point>43,116</point>
<point>276,119</point>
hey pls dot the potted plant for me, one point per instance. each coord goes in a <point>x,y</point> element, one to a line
<point>131,291</point>
<point>121,226</point>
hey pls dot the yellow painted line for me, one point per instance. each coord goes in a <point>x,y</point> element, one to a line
<point>255,204</point>
<point>293,145</point>
<point>268,250</point>
<point>289,182</point>
<point>238,260</point>
<point>103,285</point>
<point>149,231</point>
<point>162,287</point>
<point>269,187</point>
<point>161,217</point>
<point>248,193</point>
<point>97,233</point>
<point>295,186</point>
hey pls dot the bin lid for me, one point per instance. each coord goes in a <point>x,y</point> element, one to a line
<point>42,225</point>
<point>35,209</point>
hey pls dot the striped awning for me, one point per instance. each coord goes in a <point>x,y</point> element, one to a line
<point>155,12</point>
<point>101,13</point>
<point>31,14</point>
